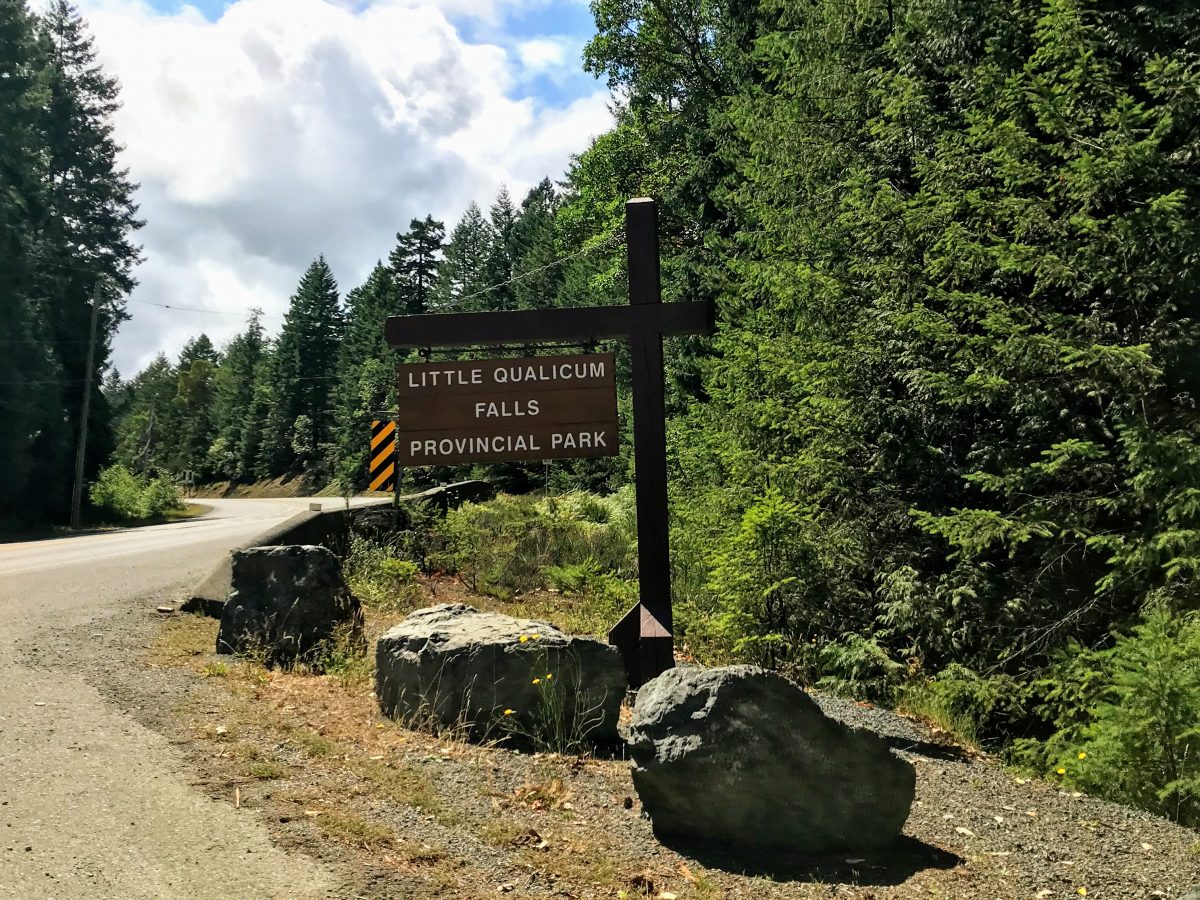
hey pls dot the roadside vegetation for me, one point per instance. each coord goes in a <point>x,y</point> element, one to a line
<point>1121,722</point>
<point>128,498</point>
<point>413,812</point>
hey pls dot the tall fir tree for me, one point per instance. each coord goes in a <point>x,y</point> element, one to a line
<point>502,253</point>
<point>29,371</point>
<point>195,402</point>
<point>233,405</point>
<point>462,272</point>
<point>537,281</point>
<point>366,371</point>
<point>148,418</point>
<point>83,239</point>
<point>298,431</point>
<point>415,263</point>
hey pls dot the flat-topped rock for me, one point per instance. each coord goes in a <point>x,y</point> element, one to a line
<point>454,667</point>
<point>742,757</point>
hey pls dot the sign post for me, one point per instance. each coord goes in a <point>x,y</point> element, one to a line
<point>460,412</point>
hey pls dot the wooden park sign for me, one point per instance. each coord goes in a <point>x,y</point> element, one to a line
<point>461,412</point>
<point>500,410</point>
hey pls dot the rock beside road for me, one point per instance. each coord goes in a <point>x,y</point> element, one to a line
<point>454,667</point>
<point>743,758</point>
<point>287,605</point>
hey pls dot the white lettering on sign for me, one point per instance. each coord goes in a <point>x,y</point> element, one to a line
<point>508,443</point>
<point>444,377</point>
<point>505,409</point>
<point>568,440</point>
<point>566,371</point>
<point>498,443</point>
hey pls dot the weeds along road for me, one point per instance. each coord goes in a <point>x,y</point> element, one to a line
<point>92,804</point>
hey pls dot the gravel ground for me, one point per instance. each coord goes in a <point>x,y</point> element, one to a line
<point>493,822</point>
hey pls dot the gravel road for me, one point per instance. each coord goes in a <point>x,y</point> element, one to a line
<point>93,804</point>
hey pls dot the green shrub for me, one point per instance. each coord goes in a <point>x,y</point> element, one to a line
<point>161,495</point>
<point>962,702</point>
<point>512,544</point>
<point>380,579</point>
<point>1142,743</point>
<point>857,666</point>
<point>131,498</point>
<point>117,490</point>
<point>774,581</point>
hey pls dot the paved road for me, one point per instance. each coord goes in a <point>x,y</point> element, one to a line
<point>92,804</point>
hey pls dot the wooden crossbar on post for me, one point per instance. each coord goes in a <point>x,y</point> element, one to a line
<point>644,634</point>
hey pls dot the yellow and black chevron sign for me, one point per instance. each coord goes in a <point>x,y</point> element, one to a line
<point>382,476</point>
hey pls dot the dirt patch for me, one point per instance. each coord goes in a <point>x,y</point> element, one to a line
<point>403,813</point>
<point>284,486</point>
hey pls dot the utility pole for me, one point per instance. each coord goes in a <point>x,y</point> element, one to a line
<point>77,495</point>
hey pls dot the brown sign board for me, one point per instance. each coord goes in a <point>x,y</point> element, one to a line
<point>506,410</point>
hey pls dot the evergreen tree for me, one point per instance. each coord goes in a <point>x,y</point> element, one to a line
<point>502,253</point>
<point>536,280</point>
<point>147,421</point>
<point>195,401</point>
<point>366,371</point>
<point>28,369</point>
<point>82,235</point>
<point>234,401</point>
<point>415,263</point>
<point>302,376</point>
<point>461,273</point>
<point>965,342</point>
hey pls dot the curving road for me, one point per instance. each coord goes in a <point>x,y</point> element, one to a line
<point>92,804</point>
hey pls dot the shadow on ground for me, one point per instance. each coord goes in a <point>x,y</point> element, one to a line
<point>879,868</point>
<point>945,752</point>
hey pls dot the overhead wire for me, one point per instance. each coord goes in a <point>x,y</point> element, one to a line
<point>615,239</point>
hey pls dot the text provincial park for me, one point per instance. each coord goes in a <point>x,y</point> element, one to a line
<point>636,449</point>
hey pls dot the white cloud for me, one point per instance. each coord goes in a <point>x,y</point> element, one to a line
<point>289,128</point>
<point>542,53</point>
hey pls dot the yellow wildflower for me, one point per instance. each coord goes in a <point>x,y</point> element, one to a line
<point>1082,891</point>
<point>549,675</point>
<point>1062,771</point>
<point>537,681</point>
<point>1082,755</point>
<point>508,712</point>
<point>523,638</point>
<point>535,636</point>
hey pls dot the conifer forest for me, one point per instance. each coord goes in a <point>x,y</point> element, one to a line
<point>943,451</point>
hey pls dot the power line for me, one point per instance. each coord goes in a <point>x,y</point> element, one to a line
<point>197,309</point>
<point>615,239</point>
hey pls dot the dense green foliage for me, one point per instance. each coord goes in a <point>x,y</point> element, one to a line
<point>66,217</point>
<point>119,492</point>
<point>943,450</point>
<point>522,543</point>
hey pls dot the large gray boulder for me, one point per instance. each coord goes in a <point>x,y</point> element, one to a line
<point>287,604</point>
<point>743,758</point>
<point>454,667</point>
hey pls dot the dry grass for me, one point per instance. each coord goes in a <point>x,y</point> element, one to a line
<point>356,831</point>
<point>189,511</point>
<point>185,641</point>
<point>571,613</point>
<point>321,740</point>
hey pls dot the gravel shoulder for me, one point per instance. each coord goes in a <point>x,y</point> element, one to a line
<point>398,813</point>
